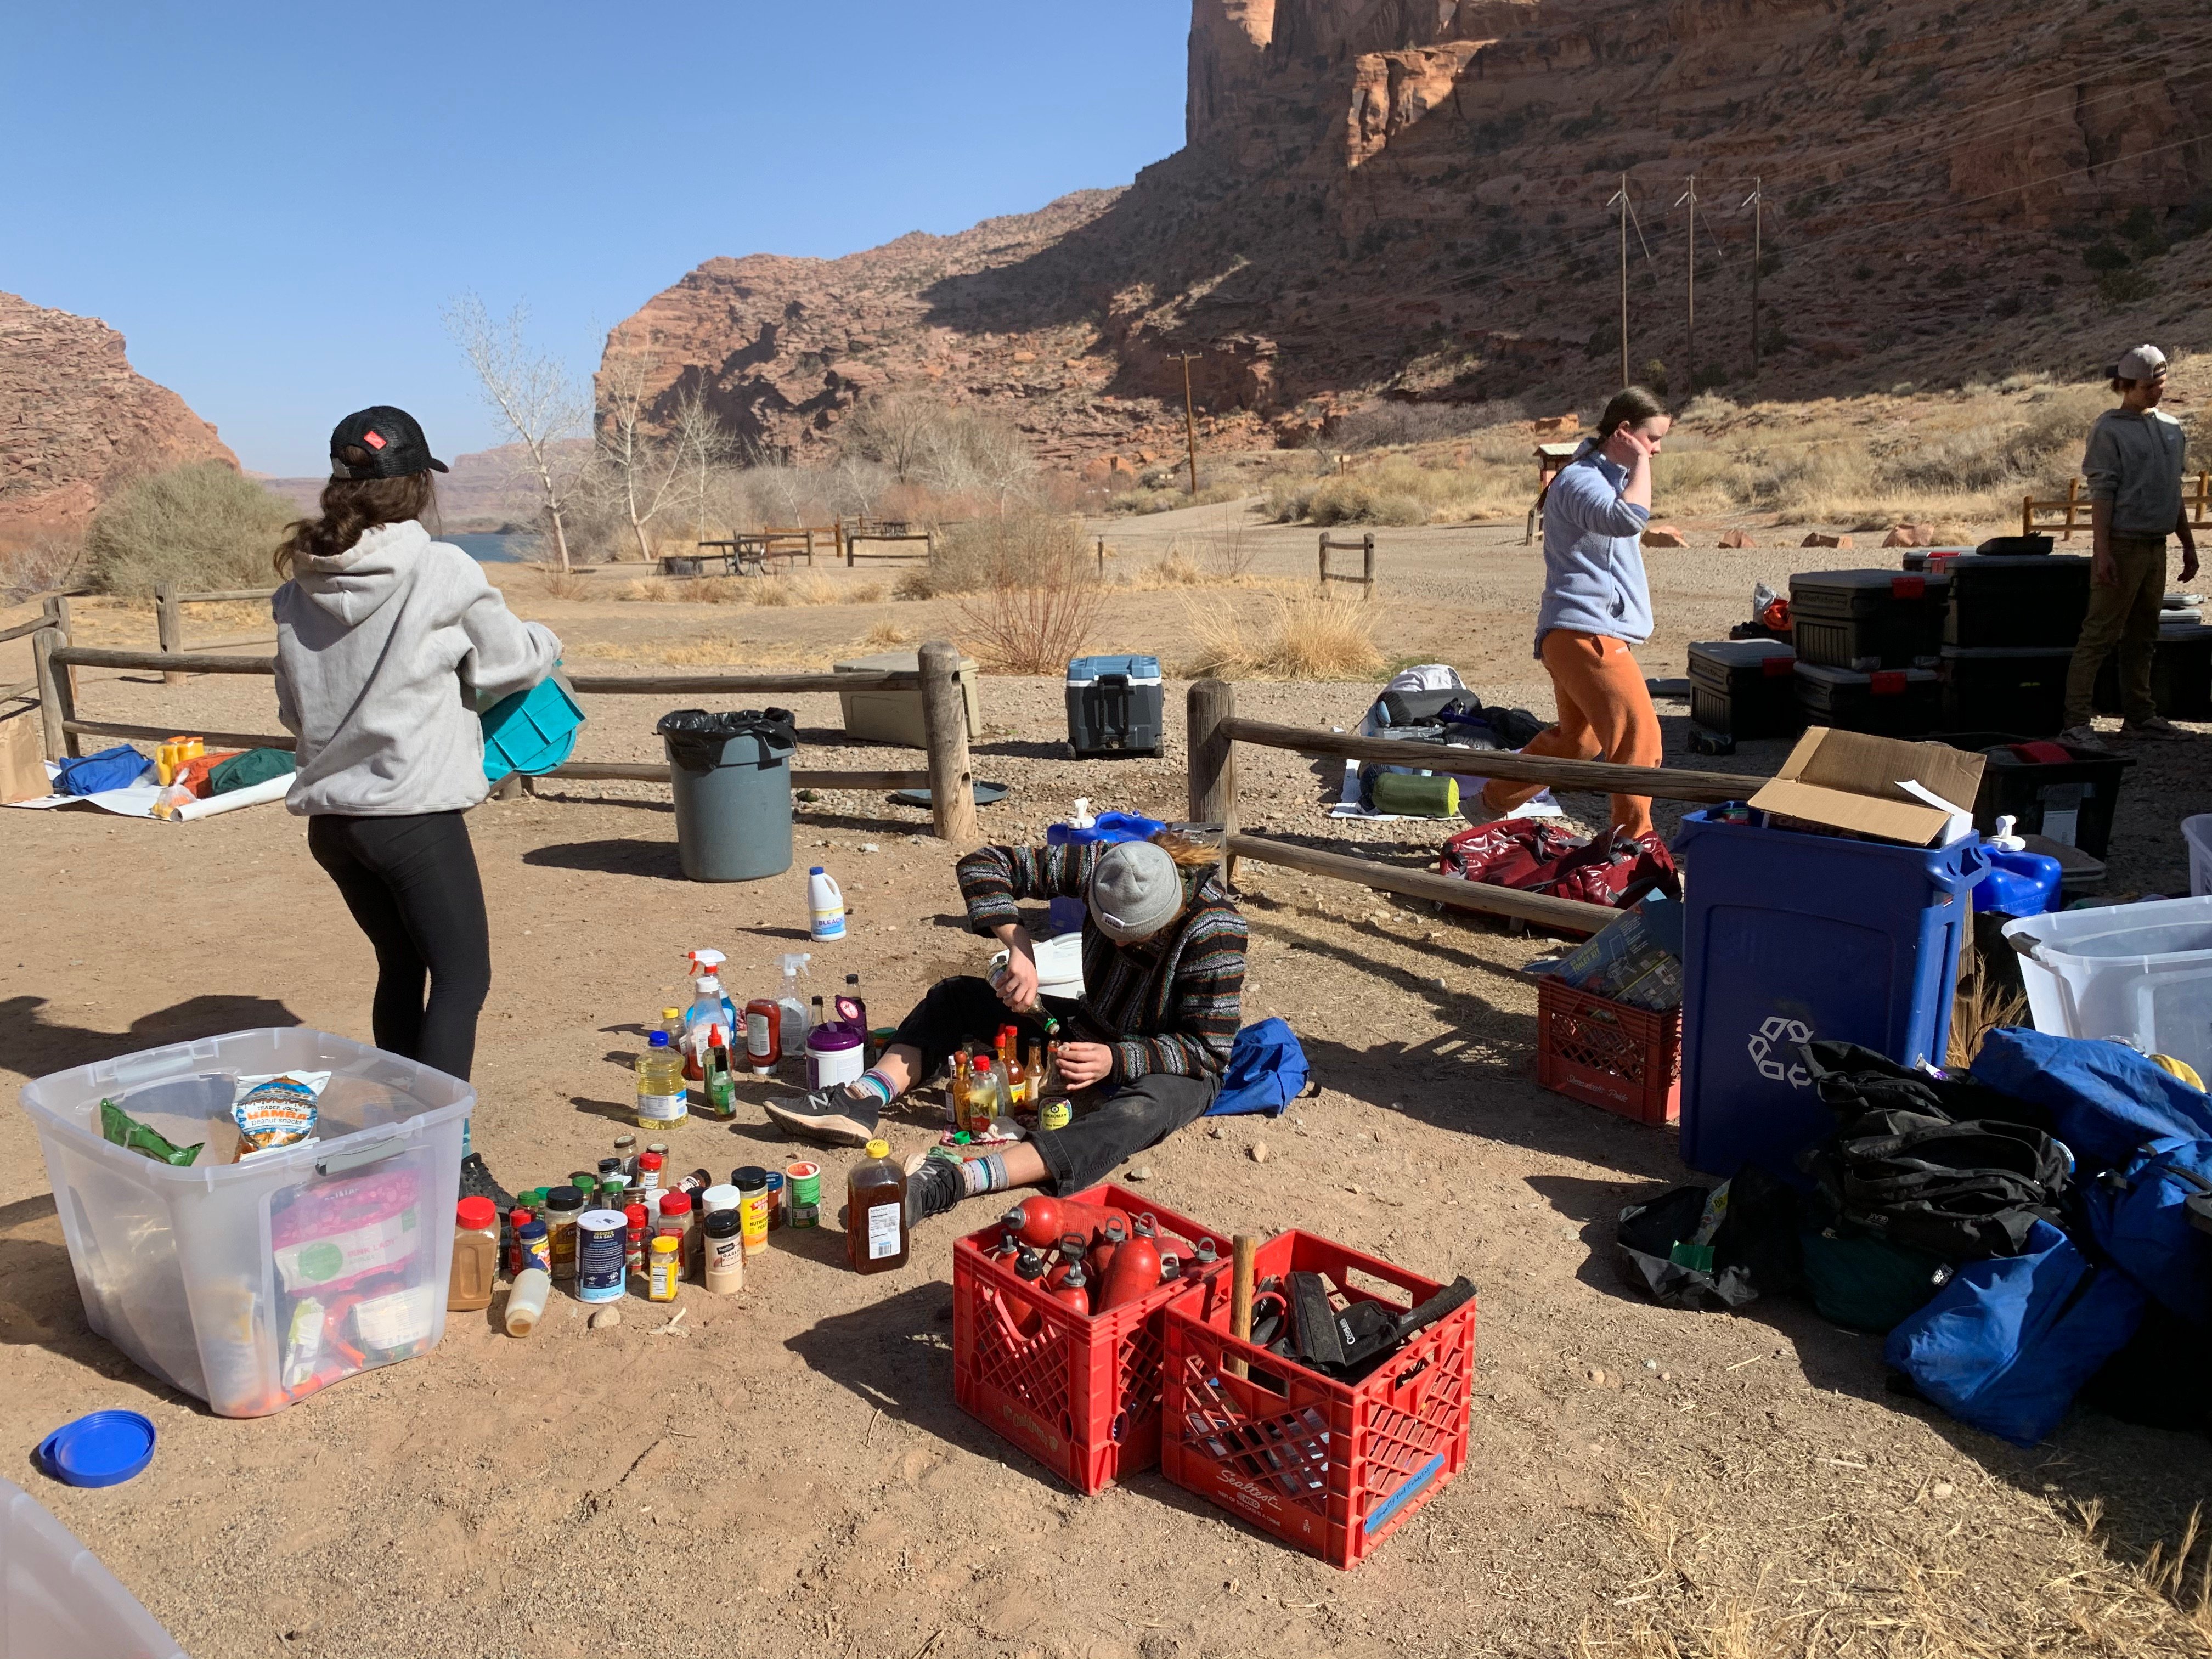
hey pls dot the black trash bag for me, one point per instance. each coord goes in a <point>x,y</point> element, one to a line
<point>1759,1234</point>
<point>1650,1232</point>
<point>696,738</point>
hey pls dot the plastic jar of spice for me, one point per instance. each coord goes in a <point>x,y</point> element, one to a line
<point>476,1256</point>
<point>676,1222</point>
<point>536,1247</point>
<point>718,1197</point>
<point>637,1223</point>
<point>752,1182</point>
<point>725,1252</point>
<point>775,1200</point>
<point>664,1269</point>
<point>563,1206</point>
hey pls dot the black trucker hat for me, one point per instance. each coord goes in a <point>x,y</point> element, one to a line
<point>392,440</point>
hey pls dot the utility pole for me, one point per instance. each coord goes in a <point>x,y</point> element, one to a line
<point>1189,424</point>
<point>1757,202</point>
<point>1690,197</point>
<point>1621,196</point>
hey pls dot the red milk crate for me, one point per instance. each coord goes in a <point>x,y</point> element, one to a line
<point>1607,1053</point>
<point>1081,1395</point>
<point>1331,1468</point>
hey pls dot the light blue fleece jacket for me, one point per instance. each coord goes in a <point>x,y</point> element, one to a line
<point>1594,579</point>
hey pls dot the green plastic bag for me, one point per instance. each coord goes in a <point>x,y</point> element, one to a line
<point>254,766</point>
<point>118,1125</point>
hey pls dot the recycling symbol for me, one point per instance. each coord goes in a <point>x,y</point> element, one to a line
<point>1785,1034</point>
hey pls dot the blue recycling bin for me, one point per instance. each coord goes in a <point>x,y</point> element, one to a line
<point>1789,937</point>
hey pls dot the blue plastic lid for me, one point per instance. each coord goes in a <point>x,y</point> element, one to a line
<point>816,871</point>
<point>657,1040</point>
<point>104,1449</point>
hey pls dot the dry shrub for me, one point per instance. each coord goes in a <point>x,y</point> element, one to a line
<point>45,564</point>
<point>652,590</point>
<point>1306,636</point>
<point>203,526</point>
<point>560,584</point>
<point>1030,586</point>
<point>1399,489</point>
<point>1167,497</point>
<point>885,636</point>
<point>866,593</point>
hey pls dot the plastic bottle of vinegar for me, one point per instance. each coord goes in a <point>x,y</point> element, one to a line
<point>875,1213</point>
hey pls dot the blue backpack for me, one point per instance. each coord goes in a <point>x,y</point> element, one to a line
<point>1266,1070</point>
<point>2138,1214</point>
<point>2106,1100</point>
<point>2004,1346</point>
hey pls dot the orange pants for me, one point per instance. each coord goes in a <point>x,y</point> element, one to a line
<point>1605,714</point>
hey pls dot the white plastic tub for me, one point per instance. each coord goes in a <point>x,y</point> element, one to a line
<point>254,1284</point>
<point>2143,972</point>
<point>57,1598</point>
<point>2196,834</point>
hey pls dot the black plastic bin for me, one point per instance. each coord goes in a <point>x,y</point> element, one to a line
<point>2069,802</point>
<point>1889,702</point>
<point>1868,619</point>
<point>1745,688</point>
<point>2017,600</point>
<point>2020,688</point>
<point>2180,675</point>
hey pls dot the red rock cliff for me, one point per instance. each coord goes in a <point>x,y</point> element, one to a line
<point>75,419</point>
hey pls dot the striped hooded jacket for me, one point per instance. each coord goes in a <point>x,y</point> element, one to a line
<point>1175,1000</point>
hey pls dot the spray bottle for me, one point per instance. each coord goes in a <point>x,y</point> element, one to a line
<point>1067,910</point>
<point>790,1005</point>
<point>709,1008</point>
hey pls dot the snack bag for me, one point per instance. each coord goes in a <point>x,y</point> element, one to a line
<point>276,1111</point>
<point>335,1237</point>
<point>118,1126</point>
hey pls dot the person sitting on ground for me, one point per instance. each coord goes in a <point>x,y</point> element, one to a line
<point>1142,1053</point>
<point>2134,465</point>
<point>1596,605</point>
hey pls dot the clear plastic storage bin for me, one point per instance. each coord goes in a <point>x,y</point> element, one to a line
<point>254,1284</point>
<point>57,1597</point>
<point>2139,971</point>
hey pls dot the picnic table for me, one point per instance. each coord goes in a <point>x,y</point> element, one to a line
<point>737,556</point>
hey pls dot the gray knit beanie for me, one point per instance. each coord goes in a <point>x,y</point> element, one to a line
<point>1136,890</point>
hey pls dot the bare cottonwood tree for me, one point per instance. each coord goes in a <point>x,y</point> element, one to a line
<point>645,465</point>
<point>535,397</point>
<point>897,430</point>
<point>705,447</point>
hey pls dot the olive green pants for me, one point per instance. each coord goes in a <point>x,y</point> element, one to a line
<point>2124,615</point>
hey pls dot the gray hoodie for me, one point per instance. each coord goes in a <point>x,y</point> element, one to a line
<point>385,653</point>
<point>2135,461</point>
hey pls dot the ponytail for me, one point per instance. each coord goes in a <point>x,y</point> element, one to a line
<point>1630,406</point>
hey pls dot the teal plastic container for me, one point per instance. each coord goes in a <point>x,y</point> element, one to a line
<point>532,731</point>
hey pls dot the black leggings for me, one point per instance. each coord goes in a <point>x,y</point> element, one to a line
<point>1113,1123</point>
<point>411,883</point>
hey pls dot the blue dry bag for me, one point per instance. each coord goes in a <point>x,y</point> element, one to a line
<point>2004,1346</point>
<point>2106,1100</point>
<point>111,768</point>
<point>1266,1070</point>
<point>2138,1214</point>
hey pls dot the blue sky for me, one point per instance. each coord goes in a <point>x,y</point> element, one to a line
<point>273,202</point>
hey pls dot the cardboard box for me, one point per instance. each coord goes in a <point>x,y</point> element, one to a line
<point>1853,781</point>
<point>22,758</point>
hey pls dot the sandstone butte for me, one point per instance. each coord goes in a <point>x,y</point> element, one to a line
<point>75,419</point>
<point>1409,198</point>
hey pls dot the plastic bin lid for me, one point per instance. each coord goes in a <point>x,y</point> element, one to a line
<point>104,1449</point>
<point>1742,652</point>
<point>1879,581</point>
<point>1082,671</point>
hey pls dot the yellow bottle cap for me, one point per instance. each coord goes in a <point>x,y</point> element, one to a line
<point>669,1013</point>
<point>879,1149</point>
<point>664,1245</point>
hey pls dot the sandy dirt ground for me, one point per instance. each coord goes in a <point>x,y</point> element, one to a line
<point>792,1473</point>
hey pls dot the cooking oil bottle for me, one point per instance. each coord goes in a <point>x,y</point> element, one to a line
<point>875,1213</point>
<point>662,1096</point>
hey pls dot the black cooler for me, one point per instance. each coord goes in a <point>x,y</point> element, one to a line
<point>2014,601</point>
<point>2180,674</point>
<point>1998,688</point>
<point>1889,702</point>
<point>1868,619</point>
<point>1745,688</point>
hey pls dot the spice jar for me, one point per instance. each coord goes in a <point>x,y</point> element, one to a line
<point>752,1205</point>
<point>476,1256</point>
<point>517,1219</point>
<point>663,1269</point>
<point>563,1206</point>
<point>676,1222</point>
<point>725,1252</point>
<point>536,1247</point>
<point>720,1197</point>
<point>626,1154</point>
<point>648,1176</point>
<point>637,1224</point>
<point>775,1200</point>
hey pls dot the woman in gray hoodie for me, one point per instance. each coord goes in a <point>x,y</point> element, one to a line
<point>387,645</point>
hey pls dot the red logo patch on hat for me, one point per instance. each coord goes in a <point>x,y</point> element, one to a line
<point>373,439</point>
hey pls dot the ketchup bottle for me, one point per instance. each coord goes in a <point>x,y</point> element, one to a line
<point>764,1035</point>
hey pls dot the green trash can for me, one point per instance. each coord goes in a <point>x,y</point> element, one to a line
<point>731,775</point>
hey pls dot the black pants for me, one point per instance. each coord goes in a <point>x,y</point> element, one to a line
<point>1108,1128</point>
<point>411,883</point>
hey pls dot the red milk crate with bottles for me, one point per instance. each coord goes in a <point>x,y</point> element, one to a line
<point>1080,1394</point>
<point>1331,1468</point>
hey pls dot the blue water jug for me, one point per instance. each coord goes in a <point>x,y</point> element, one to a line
<point>2019,883</point>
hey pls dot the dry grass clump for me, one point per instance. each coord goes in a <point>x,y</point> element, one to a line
<point>1399,489</point>
<point>693,650</point>
<point>886,636</point>
<point>798,587</point>
<point>1980,1006</point>
<point>45,564</point>
<point>1001,549</point>
<point>1304,636</point>
<point>1167,497</point>
<point>1217,558</point>
<point>559,584</point>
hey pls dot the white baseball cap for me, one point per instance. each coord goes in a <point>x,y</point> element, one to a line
<point>2145,362</point>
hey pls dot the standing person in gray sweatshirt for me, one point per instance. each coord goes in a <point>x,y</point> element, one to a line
<point>2134,465</point>
<point>387,645</point>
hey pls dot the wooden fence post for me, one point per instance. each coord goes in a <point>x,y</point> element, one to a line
<point>56,704</point>
<point>169,626</point>
<point>1367,562</point>
<point>945,723</point>
<point>57,608</point>
<point>1212,760</point>
<point>1324,561</point>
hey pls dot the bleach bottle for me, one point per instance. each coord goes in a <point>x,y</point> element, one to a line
<point>2018,883</point>
<point>825,906</point>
